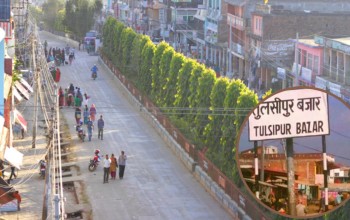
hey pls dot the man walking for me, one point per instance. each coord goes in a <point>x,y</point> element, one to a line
<point>12,174</point>
<point>122,162</point>
<point>106,166</point>
<point>100,126</point>
<point>90,127</point>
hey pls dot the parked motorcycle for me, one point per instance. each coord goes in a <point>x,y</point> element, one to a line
<point>42,168</point>
<point>80,132</point>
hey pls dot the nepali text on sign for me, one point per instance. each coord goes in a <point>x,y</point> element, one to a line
<point>291,113</point>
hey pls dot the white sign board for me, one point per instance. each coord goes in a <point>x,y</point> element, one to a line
<point>291,113</point>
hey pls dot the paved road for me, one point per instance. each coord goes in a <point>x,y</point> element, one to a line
<point>156,184</point>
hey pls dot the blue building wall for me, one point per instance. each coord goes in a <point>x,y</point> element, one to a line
<point>2,69</point>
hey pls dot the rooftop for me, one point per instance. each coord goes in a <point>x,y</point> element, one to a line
<point>344,40</point>
<point>309,42</point>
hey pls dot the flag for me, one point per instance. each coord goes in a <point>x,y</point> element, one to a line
<point>20,119</point>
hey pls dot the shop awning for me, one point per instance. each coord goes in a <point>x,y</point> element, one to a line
<point>17,95</point>
<point>7,85</point>
<point>26,85</point>
<point>14,157</point>
<point>22,90</point>
<point>20,119</point>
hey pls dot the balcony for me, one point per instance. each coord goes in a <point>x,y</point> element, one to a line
<point>237,49</point>
<point>235,22</point>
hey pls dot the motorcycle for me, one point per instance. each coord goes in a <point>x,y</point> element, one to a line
<point>42,168</point>
<point>80,132</point>
<point>93,165</point>
<point>94,162</point>
<point>94,75</point>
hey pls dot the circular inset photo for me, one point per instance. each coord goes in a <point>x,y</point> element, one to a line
<point>294,152</point>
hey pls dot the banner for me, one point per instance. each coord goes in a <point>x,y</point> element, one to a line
<point>20,119</point>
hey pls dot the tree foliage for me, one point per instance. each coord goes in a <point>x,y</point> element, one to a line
<point>127,38</point>
<point>156,86</point>
<point>80,15</point>
<point>136,53</point>
<point>205,84</point>
<point>197,71</point>
<point>50,9</point>
<point>145,77</point>
<point>212,132</point>
<point>182,86</point>
<point>164,74</point>
<point>170,84</point>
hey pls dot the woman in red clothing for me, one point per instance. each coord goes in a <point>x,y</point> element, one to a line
<point>92,112</point>
<point>60,97</point>
<point>58,75</point>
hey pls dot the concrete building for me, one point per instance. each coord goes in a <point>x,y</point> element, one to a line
<point>271,34</point>
<point>336,66</point>
<point>215,35</point>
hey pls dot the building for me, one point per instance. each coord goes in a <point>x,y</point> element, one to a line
<point>336,66</point>
<point>272,31</point>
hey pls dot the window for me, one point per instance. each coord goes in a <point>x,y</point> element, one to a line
<point>316,63</point>
<point>336,174</point>
<point>309,61</point>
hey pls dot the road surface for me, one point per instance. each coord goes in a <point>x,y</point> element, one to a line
<point>156,184</point>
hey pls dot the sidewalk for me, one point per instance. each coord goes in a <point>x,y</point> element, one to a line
<point>28,182</point>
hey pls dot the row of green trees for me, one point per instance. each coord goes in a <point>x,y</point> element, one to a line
<point>207,108</point>
<point>72,16</point>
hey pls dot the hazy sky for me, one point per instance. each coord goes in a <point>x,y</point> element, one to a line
<point>338,142</point>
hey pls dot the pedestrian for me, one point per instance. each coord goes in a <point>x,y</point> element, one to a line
<point>16,195</point>
<point>92,112</point>
<point>113,167</point>
<point>121,163</point>
<point>86,99</point>
<point>60,97</point>
<point>301,210</point>
<point>12,174</point>
<point>106,166</point>
<point>100,126</point>
<point>90,127</point>
<point>77,115</point>
<point>77,101</point>
<point>86,114</point>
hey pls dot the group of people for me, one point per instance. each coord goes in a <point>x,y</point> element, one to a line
<point>58,55</point>
<point>111,164</point>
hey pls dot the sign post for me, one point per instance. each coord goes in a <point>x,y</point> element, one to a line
<point>297,112</point>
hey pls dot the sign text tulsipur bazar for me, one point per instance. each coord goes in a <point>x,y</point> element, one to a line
<point>291,113</point>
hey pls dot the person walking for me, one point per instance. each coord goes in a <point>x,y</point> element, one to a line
<point>106,166</point>
<point>17,196</point>
<point>77,115</point>
<point>122,162</point>
<point>113,167</point>
<point>92,112</point>
<point>90,127</point>
<point>12,174</point>
<point>301,209</point>
<point>86,114</point>
<point>100,126</point>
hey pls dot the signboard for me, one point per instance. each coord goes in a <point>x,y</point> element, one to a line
<point>278,48</point>
<point>306,74</point>
<point>281,73</point>
<point>5,10</point>
<point>291,113</point>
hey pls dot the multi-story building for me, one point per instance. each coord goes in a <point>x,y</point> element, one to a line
<point>336,66</point>
<point>215,35</point>
<point>272,31</point>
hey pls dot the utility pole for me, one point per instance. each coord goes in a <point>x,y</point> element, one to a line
<point>262,177</point>
<point>36,89</point>
<point>297,61</point>
<point>325,172</point>
<point>256,169</point>
<point>290,177</point>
